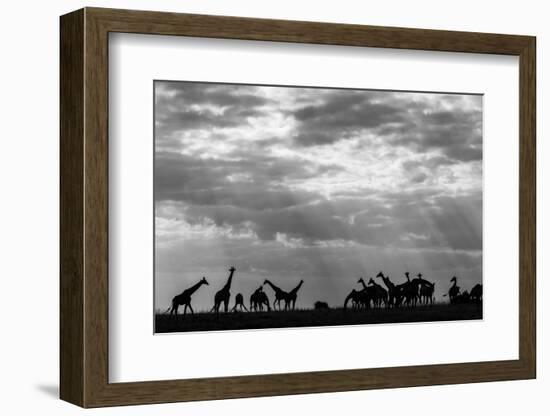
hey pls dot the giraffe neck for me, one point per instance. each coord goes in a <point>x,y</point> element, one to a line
<point>275,288</point>
<point>194,288</point>
<point>229,279</point>
<point>388,282</point>
<point>295,290</point>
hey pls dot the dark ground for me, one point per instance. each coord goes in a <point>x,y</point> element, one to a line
<point>310,317</point>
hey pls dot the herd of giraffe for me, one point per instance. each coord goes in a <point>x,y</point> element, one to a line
<point>413,292</point>
<point>258,299</point>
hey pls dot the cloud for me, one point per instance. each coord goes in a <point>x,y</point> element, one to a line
<point>419,177</point>
<point>339,114</point>
<point>185,107</point>
<point>456,134</point>
<point>257,184</point>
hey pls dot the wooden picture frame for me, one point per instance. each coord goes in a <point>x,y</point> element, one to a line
<point>84,207</point>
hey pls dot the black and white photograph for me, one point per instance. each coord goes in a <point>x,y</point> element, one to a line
<point>295,206</point>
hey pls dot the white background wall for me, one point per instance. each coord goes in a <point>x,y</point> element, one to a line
<point>29,209</point>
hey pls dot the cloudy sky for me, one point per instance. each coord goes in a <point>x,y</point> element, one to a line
<point>324,185</point>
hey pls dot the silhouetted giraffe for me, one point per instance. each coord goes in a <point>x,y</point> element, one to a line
<point>408,290</point>
<point>476,294</point>
<point>280,294</point>
<point>223,295</point>
<point>454,290</point>
<point>418,285</point>
<point>393,291</point>
<point>184,298</point>
<point>370,291</point>
<point>380,293</point>
<point>290,301</point>
<point>353,297</point>
<point>258,299</point>
<point>239,301</point>
<point>463,297</point>
<point>254,299</point>
<point>426,289</point>
<point>427,293</point>
<point>367,295</point>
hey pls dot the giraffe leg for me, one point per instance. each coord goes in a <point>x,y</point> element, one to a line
<point>191,309</point>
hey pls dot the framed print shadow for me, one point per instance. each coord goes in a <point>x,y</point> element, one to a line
<point>328,181</point>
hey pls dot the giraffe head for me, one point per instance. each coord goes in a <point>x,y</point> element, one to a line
<point>419,275</point>
<point>380,275</point>
<point>360,280</point>
<point>232,269</point>
<point>453,279</point>
<point>371,281</point>
<point>203,281</point>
